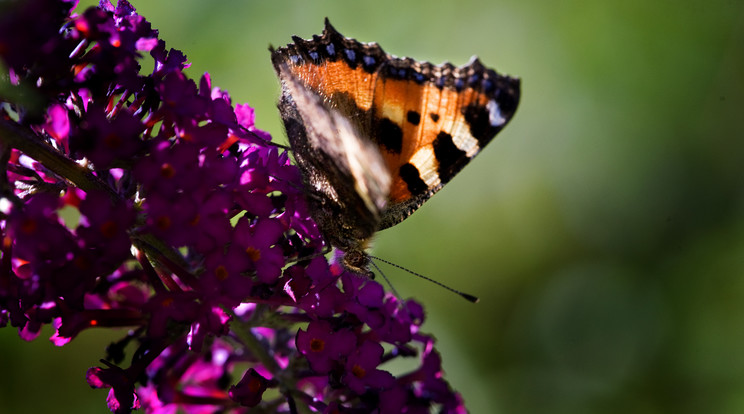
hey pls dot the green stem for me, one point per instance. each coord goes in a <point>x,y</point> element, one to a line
<point>25,140</point>
<point>157,250</point>
<point>243,331</point>
<point>246,336</point>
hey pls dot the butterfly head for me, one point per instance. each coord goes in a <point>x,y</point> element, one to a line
<point>356,260</point>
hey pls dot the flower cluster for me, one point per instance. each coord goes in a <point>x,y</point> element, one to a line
<point>149,202</point>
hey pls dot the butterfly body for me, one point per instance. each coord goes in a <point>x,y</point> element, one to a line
<point>375,136</point>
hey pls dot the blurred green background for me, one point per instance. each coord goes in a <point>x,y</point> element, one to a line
<point>603,230</point>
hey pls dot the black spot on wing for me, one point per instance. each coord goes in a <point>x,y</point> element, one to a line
<point>389,135</point>
<point>508,98</point>
<point>434,117</point>
<point>451,159</point>
<point>411,176</point>
<point>480,126</point>
<point>413,117</point>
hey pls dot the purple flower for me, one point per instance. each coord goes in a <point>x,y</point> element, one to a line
<point>246,118</point>
<point>167,308</point>
<point>393,400</point>
<point>249,390</point>
<point>37,234</point>
<point>192,231</point>
<point>58,124</point>
<point>103,229</point>
<point>256,241</point>
<point>323,347</point>
<point>361,369</point>
<point>121,398</point>
<point>169,169</point>
<point>40,49</point>
<point>224,276</point>
<point>104,140</point>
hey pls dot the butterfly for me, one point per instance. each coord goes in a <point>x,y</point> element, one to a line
<point>375,136</point>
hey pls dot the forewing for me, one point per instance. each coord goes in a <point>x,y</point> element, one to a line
<point>347,179</point>
<point>428,121</point>
<point>431,121</point>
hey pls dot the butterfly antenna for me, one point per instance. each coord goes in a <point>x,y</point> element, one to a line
<point>395,292</point>
<point>466,296</point>
<point>324,251</point>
